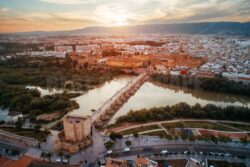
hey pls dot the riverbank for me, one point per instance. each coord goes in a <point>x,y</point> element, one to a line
<point>214,84</point>
<point>183,110</point>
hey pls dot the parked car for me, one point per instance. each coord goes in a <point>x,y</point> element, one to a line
<point>126,149</point>
<point>65,161</point>
<point>109,152</point>
<point>164,152</point>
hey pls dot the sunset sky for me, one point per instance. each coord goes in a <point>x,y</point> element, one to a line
<point>47,15</point>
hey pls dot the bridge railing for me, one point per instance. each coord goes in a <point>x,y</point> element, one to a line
<point>115,96</point>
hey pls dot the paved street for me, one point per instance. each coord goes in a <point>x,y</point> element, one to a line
<point>97,150</point>
<point>50,140</point>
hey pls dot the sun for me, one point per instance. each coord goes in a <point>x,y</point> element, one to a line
<point>112,15</point>
<point>120,20</point>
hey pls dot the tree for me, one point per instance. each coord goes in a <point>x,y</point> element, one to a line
<point>37,126</point>
<point>19,123</point>
<point>48,155</point>
<point>114,136</point>
<point>128,143</point>
<point>136,135</point>
<point>43,155</point>
<point>109,144</point>
<point>99,163</point>
<point>68,157</point>
<point>60,155</point>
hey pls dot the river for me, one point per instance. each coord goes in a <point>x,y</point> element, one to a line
<point>150,94</point>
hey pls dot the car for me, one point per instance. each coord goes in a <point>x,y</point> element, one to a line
<point>186,152</point>
<point>126,149</point>
<point>227,154</point>
<point>201,153</point>
<point>109,152</point>
<point>211,153</point>
<point>164,152</point>
<point>58,160</point>
<point>65,161</point>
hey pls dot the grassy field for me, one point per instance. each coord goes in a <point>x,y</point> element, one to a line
<point>197,124</point>
<point>207,125</point>
<point>139,129</point>
<point>186,124</point>
<point>173,125</point>
<point>239,126</point>
<point>160,133</point>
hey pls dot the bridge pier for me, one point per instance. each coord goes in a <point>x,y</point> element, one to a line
<point>104,117</point>
<point>110,111</point>
<point>123,97</point>
<point>127,94</point>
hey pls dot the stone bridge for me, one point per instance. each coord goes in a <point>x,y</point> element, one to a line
<point>114,103</point>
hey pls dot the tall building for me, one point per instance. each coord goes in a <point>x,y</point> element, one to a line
<point>76,128</point>
<point>76,134</point>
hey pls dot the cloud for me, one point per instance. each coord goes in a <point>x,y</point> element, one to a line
<point>124,12</point>
<point>68,2</point>
<point>204,10</point>
<point>4,9</point>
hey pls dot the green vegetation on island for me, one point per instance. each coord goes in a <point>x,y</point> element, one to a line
<point>47,72</point>
<point>29,101</point>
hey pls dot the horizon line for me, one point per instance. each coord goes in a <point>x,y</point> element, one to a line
<point>53,31</point>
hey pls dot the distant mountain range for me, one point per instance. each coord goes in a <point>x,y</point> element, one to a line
<point>219,28</point>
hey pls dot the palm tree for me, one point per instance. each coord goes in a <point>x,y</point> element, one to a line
<point>60,155</point>
<point>49,156</point>
<point>43,155</point>
<point>68,157</point>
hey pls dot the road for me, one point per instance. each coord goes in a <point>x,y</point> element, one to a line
<point>205,148</point>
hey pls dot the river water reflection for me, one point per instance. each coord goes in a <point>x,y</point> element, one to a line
<point>151,94</point>
<point>154,94</point>
<point>94,98</point>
